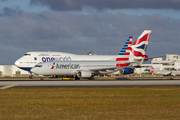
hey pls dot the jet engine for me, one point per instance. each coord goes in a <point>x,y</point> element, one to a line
<point>126,71</point>
<point>84,74</point>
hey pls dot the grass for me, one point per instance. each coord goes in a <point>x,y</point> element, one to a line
<point>160,103</point>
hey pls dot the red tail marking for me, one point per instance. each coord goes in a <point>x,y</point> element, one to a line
<point>130,42</point>
<point>127,53</point>
<point>144,38</point>
<point>137,53</point>
<point>128,48</point>
<point>152,70</point>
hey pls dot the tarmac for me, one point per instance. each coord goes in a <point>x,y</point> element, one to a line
<point>98,82</point>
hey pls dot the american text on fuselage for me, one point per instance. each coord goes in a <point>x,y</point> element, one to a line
<point>67,66</point>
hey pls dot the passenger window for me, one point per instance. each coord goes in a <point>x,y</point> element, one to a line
<point>38,65</point>
<point>27,54</point>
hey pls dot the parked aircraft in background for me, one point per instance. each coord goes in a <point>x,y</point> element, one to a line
<point>175,72</point>
<point>163,72</point>
<point>90,53</point>
<point>126,61</point>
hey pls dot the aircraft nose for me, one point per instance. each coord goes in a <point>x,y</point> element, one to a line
<point>33,70</point>
<point>17,63</point>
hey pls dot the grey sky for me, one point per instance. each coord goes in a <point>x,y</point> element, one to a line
<point>73,31</point>
<point>107,4</point>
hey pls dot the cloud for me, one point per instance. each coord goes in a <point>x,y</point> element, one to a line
<point>11,11</point>
<point>3,0</point>
<point>74,32</point>
<point>69,5</point>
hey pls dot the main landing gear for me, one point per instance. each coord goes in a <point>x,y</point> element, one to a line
<point>91,78</point>
<point>77,78</point>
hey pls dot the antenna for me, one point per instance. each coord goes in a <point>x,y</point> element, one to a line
<point>85,52</point>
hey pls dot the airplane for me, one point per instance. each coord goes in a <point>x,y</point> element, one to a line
<point>79,69</point>
<point>30,59</point>
<point>128,59</point>
<point>90,53</point>
<point>163,72</point>
<point>157,72</point>
<point>176,72</point>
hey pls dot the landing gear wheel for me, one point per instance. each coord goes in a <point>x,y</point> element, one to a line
<point>91,78</point>
<point>77,78</point>
<point>42,78</point>
<point>31,76</point>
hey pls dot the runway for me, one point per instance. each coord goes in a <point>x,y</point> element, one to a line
<point>36,83</point>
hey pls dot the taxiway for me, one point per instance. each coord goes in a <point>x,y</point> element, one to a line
<point>36,83</point>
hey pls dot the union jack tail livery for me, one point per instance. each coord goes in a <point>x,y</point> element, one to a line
<point>152,70</point>
<point>138,48</point>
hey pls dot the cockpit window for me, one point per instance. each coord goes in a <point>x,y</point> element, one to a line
<point>27,54</point>
<point>38,65</point>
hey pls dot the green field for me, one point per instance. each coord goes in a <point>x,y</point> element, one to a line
<point>160,103</point>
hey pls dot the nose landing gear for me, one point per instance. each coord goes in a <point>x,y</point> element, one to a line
<point>31,77</point>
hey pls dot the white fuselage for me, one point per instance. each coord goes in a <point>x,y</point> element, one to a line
<point>175,72</point>
<point>72,67</point>
<point>162,72</point>
<point>30,59</point>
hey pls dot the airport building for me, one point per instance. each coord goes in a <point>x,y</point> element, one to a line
<point>172,62</point>
<point>12,71</point>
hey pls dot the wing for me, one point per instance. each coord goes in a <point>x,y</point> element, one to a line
<point>110,70</point>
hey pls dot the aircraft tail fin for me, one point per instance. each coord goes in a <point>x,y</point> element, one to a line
<point>126,48</point>
<point>152,70</point>
<point>90,53</point>
<point>139,47</point>
<point>125,52</point>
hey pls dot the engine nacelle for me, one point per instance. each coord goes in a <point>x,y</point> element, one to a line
<point>128,71</point>
<point>84,74</point>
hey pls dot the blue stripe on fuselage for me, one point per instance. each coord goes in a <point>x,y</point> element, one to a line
<point>26,68</point>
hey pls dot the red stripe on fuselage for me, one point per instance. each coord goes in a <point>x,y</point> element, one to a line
<point>122,59</point>
<point>121,65</point>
